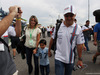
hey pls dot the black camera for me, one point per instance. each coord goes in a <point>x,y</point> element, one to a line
<point>18,10</point>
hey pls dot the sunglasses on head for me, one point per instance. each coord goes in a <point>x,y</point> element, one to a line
<point>69,15</point>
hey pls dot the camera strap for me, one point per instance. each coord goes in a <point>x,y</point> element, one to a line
<point>5,44</point>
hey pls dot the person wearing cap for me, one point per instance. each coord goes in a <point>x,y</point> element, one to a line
<point>64,55</point>
<point>96,13</point>
<point>7,65</point>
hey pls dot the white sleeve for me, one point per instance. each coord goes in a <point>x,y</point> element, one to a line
<point>90,26</point>
<point>83,27</point>
<point>80,38</point>
<point>11,31</point>
<point>39,31</point>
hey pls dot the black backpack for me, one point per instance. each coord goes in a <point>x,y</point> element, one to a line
<point>53,47</point>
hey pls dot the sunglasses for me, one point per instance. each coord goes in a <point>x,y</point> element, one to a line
<point>69,15</point>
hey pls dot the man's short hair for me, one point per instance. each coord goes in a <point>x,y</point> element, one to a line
<point>96,13</point>
<point>75,20</point>
<point>87,21</point>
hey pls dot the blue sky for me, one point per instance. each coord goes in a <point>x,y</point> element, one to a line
<point>47,11</point>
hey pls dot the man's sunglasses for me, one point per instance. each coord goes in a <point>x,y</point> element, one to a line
<point>69,15</point>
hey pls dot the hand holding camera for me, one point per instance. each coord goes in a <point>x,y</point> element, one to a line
<point>15,11</point>
<point>19,12</point>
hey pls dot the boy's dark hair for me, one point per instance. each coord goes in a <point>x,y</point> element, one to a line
<point>43,41</point>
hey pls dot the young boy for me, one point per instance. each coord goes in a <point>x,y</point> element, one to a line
<point>44,60</point>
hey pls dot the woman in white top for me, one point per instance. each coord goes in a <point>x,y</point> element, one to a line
<point>32,33</point>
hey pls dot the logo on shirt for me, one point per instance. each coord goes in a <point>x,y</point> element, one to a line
<point>74,34</point>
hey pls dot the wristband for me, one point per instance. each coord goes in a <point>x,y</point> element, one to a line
<point>80,59</point>
<point>18,19</point>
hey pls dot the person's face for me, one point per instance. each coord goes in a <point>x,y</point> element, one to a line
<point>75,20</point>
<point>33,22</point>
<point>42,45</point>
<point>69,18</point>
<point>87,23</point>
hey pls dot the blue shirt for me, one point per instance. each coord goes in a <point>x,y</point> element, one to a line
<point>43,54</point>
<point>97,29</point>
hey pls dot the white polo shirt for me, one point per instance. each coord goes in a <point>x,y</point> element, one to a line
<point>84,27</point>
<point>63,42</point>
<point>10,32</point>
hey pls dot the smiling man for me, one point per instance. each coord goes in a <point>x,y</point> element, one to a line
<point>68,36</point>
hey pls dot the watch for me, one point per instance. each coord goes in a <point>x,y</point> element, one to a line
<point>80,59</point>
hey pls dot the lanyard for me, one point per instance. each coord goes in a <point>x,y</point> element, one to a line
<point>31,31</point>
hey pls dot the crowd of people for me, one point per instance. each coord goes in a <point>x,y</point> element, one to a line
<point>70,36</point>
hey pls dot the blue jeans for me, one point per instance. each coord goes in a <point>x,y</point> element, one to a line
<point>86,43</point>
<point>29,53</point>
<point>42,68</point>
<point>62,68</point>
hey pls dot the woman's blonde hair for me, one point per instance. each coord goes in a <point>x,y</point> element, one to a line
<point>36,20</point>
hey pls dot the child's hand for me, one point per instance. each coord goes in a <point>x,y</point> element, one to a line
<point>49,54</point>
<point>34,51</point>
<point>84,48</point>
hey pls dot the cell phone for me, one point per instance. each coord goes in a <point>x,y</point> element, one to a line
<point>18,10</point>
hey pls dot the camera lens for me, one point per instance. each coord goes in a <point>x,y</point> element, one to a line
<point>18,10</point>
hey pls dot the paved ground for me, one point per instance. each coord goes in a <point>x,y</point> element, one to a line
<point>91,69</point>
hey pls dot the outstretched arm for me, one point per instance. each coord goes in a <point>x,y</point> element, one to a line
<point>79,50</point>
<point>50,44</point>
<point>5,22</point>
<point>95,38</point>
<point>18,23</point>
<point>37,43</point>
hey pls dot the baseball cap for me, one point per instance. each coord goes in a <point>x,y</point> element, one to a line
<point>69,9</point>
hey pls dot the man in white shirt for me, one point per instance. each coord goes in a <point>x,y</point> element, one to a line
<point>7,66</point>
<point>87,33</point>
<point>64,55</point>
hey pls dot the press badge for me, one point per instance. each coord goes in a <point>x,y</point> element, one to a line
<point>2,47</point>
<point>31,42</point>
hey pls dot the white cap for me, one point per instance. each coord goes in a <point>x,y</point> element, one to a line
<point>69,9</point>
